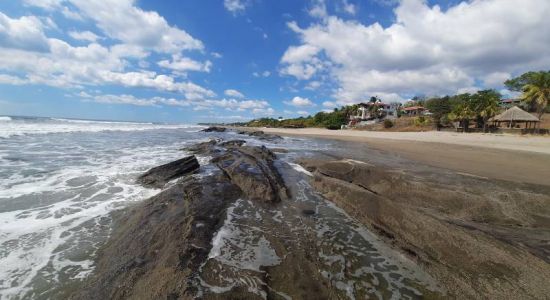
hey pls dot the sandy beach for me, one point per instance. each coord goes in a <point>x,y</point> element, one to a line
<point>508,157</point>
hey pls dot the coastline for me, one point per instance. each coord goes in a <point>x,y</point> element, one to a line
<point>523,159</point>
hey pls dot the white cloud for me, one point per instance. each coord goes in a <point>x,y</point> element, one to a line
<point>349,8</point>
<point>83,36</point>
<point>25,33</point>
<point>28,56</point>
<point>299,102</point>
<point>123,21</point>
<point>235,6</point>
<point>185,64</point>
<point>302,112</point>
<point>427,50</point>
<point>329,104</point>
<point>216,55</point>
<point>233,93</point>
<point>262,74</point>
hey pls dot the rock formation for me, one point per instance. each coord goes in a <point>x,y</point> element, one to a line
<point>157,177</point>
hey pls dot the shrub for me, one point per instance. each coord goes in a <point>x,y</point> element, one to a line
<point>421,121</point>
<point>388,123</point>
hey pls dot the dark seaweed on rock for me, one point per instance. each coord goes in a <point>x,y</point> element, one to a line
<point>158,177</point>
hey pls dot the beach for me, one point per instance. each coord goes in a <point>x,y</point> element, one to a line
<point>507,157</point>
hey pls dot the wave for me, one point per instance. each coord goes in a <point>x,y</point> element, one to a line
<point>29,126</point>
<point>79,121</point>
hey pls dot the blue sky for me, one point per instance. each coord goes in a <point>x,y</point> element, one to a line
<point>233,60</point>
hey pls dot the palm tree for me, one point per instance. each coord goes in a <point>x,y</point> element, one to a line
<point>486,105</point>
<point>537,91</point>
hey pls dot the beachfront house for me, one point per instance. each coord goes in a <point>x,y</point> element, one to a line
<point>507,103</point>
<point>412,111</point>
<point>373,112</point>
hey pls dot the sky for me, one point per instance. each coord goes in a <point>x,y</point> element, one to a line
<point>234,60</point>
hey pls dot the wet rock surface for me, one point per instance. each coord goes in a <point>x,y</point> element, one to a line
<point>279,240</point>
<point>457,232</point>
<point>157,177</point>
<point>253,170</point>
<point>214,129</point>
<point>261,135</point>
<point>161,243</point>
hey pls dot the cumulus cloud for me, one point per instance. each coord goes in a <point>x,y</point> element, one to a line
<point>299,102</point>
<point>427,50</point>
<point>28,56</point>
<point>25,33</point>
<point>233,93</point>
<point>184,64</point>
<point>83,36</point>
<point>262,74</point>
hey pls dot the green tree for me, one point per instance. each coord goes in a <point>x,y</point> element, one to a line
<point>439,107</point>
<point>536,91</point>
<point>485,104</point>
<point>463,110</point>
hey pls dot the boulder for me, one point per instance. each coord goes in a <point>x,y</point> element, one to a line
<point>207,147</point>
<point>214,129</point>
<point>157,177</point>
<point>232,143</point>
<point>252,169</point>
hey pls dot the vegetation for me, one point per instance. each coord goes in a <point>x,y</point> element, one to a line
<point>462,108</point>
<point>535,87</point>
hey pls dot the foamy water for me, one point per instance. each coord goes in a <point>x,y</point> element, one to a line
<point>59,181</point>
<point>14,126</point>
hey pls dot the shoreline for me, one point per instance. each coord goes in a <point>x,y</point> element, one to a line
<point>505,157</point>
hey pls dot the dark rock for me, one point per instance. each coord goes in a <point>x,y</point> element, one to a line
<point>204,147</point>
<point>262,135</point>
<point>308,212</point>
<point>279,150</point>
<point>157,177</point>
<point>252,169</point>
<point>214,129</point>
<point>232,143</point>
<point>160,244</point>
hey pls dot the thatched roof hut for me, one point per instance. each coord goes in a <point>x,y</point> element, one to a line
<point>515,115</point>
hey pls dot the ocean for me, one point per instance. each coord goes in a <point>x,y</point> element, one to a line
<point>59,180</point>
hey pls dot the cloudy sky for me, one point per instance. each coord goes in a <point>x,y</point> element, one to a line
<point>230,60</point>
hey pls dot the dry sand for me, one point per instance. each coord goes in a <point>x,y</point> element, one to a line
<point>507,157</point>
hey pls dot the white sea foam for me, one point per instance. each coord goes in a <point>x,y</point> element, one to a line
<point>15,127</point>
<point>54,214</point>
<point>4,119</point>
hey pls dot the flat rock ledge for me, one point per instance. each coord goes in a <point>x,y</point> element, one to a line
<point>467,237</point>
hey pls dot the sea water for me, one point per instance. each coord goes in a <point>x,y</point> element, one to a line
<point>59,180</point>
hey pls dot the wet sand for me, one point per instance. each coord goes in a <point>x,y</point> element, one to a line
<point>505,157</point>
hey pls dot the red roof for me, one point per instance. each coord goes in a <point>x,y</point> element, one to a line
<point>413,108</point>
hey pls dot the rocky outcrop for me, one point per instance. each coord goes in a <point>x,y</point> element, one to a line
<point>157,177</point>
<point>232,143</point>
<point>262,135</point>
<point>455,232</point>
<point>214,129</point>
<point>160,243</point>
<point>253,170</point>
<point>204,148</point>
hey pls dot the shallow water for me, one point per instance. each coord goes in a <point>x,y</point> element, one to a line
<point>352,260</point>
